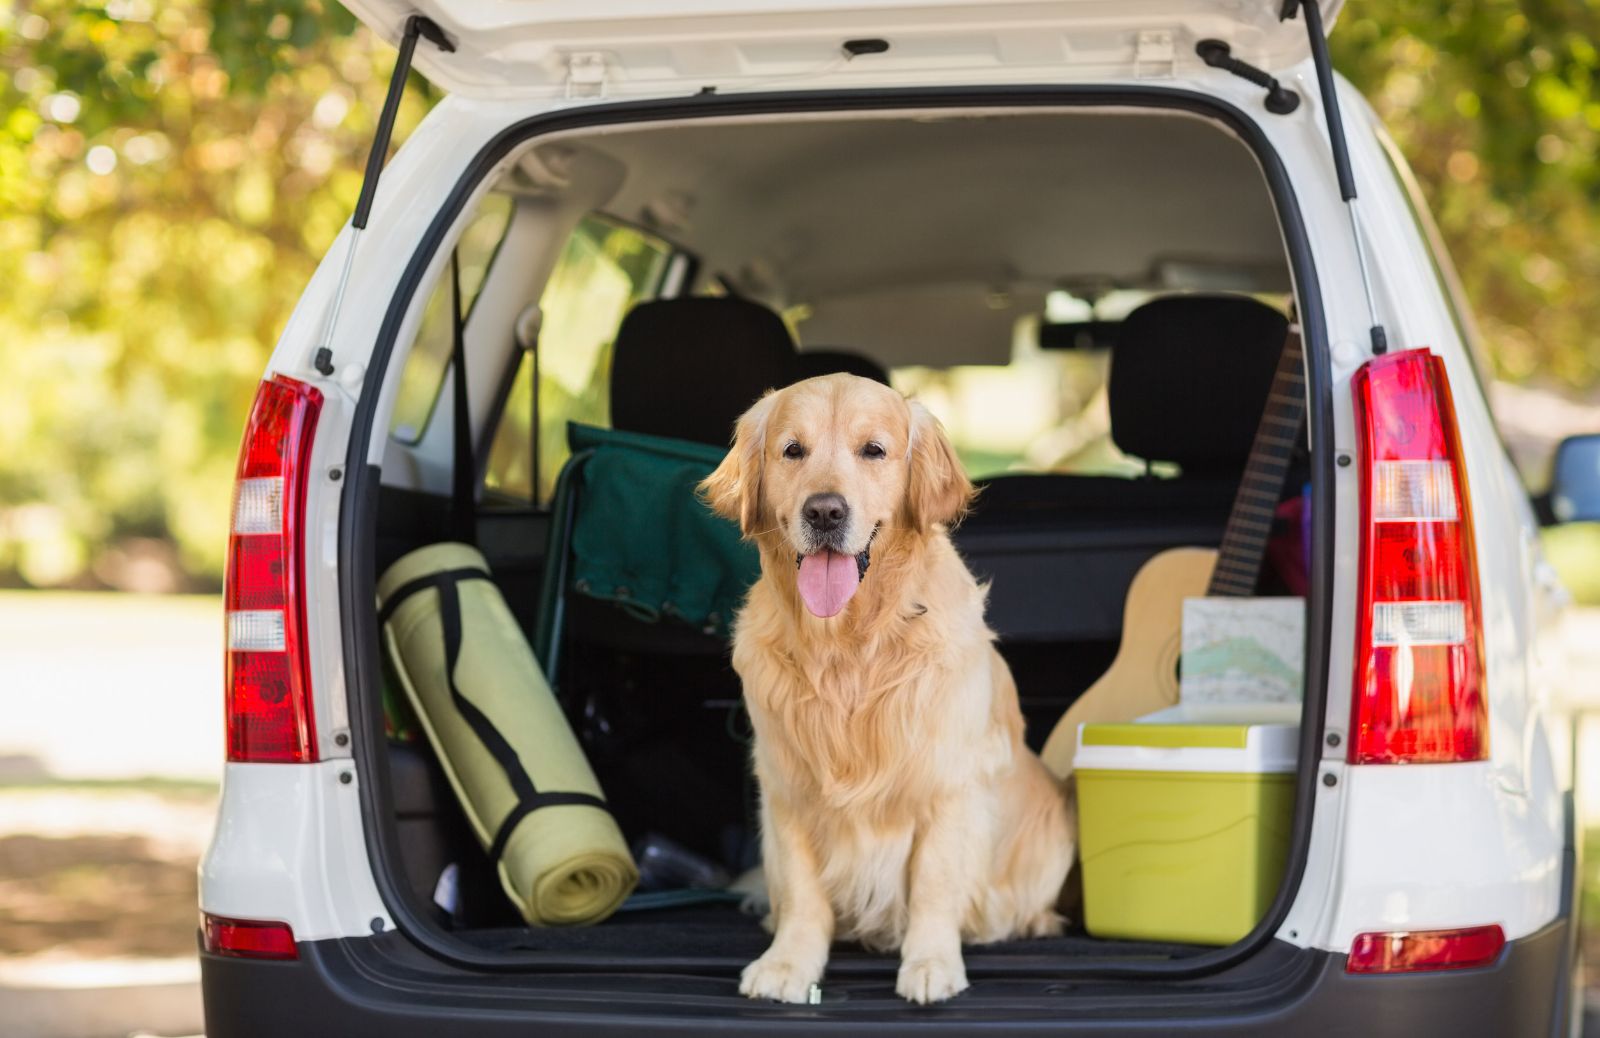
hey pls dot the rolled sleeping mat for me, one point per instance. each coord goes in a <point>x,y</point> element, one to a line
<point>481,697</point>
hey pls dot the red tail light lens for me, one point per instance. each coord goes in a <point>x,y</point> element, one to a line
<point>268,672</point>
<point>1417,950</point>
<point>1419,644</point>
<point>247,939</point>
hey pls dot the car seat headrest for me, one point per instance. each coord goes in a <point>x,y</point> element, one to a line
<point>688,368</point>
<point>1189,380</point>
<point>828,362</point>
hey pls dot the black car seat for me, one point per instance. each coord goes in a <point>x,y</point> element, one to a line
<point>1188,382</point>
<point>651,700</point>
<point>687,368</point>
<point>831,361</point>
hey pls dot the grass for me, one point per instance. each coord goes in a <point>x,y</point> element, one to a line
<point>1589,908</point>
<point>1574,550</point>
<point>161,785</point>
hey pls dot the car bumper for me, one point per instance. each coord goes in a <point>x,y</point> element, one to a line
<point>382,986</point>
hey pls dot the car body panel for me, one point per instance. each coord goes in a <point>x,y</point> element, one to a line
<point>1391,847</point>
<point>642,48</point>
<point>288,848</point>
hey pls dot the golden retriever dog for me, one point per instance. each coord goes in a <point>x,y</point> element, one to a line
<point>899,804</point>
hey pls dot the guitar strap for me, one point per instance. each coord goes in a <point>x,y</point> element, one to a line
<point>1255,503</point>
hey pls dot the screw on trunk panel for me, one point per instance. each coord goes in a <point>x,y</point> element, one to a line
<point>336,473</point>
<point>1333,739</point>
<point>345,778</point>
<point>341,739</point>
<point>377,924</point>
<point>1330,779</point>
<point>1343,461</point>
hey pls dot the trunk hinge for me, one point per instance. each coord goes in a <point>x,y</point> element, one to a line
<point>1155,54</point>
<point>1318,39</point>
<point>416,26</point>
<point>587,74</point>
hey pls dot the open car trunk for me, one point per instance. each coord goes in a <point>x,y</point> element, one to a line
<point>998,260</point>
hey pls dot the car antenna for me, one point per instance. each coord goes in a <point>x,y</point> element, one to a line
<point>416,25</point>
<point>1318,39</point>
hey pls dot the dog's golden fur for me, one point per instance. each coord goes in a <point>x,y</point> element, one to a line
<point>899,804</point>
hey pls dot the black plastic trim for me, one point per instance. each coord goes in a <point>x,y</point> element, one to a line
<point>383,985</point>
<point>357,590</point>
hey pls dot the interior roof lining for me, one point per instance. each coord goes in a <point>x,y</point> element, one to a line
<point>795,195</point>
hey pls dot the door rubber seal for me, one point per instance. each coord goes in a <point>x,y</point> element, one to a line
<point>359,505</point>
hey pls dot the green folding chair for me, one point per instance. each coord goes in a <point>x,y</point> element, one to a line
<point>629,528</point>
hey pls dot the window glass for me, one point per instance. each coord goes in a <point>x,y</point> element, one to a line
<point>605,268</point>
<point>430,353</point>
<point>1045,411</point>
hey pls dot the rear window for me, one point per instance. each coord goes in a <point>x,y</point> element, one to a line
<point>605,268</point>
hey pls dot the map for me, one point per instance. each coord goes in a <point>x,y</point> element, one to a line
<point>1242,650</point>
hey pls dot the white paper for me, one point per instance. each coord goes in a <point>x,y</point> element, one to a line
<point>1242,650</point>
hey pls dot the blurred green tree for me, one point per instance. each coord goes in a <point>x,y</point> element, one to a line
<point>1496,105</point>
<point>171,172</point>
<point>169,175</point>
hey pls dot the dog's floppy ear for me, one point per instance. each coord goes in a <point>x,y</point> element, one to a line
<point>937,489</point>
<point>734,490</point>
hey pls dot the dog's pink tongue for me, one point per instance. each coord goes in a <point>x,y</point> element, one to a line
<point>827,580</point>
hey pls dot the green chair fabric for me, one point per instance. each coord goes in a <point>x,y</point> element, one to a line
<point>643,539</point>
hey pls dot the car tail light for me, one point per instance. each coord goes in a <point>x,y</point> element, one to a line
<point>268,671</point>
<point>248,939</point>
<point>1416,950</point>
<point>1419,644</point>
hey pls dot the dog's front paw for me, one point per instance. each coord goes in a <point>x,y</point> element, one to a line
<point>931,980</point>
<point>779,978</point>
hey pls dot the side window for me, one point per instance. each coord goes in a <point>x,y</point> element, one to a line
<point>430,354</point>
<point>605,268</point>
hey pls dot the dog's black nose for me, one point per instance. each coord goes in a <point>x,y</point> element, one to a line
<point>824,512</point>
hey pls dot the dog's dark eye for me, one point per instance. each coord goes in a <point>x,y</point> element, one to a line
<point>872,450</point>
<point>794,452</point>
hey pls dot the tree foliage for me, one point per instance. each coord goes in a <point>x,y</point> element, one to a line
<point>169,175</point>
<point>1496,105</point>
<point>171,172</point>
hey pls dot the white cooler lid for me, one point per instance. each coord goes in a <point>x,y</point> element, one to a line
<point>1229,738</point>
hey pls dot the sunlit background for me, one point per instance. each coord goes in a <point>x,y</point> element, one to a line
<point>170,174</point>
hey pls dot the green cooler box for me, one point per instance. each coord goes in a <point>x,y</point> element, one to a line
<point>1183,823</point>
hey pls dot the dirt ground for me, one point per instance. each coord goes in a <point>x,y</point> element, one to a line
<point>95,897</point>
<point>100,871</point>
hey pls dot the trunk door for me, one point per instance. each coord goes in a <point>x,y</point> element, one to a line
<point>643,48</point>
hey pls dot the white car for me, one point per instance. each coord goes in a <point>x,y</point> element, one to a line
<point>1078,230</point>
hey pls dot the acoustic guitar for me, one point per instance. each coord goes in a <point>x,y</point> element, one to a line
<point>1143,678</point>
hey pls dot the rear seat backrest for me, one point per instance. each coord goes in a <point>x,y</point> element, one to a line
<point>688,368</point>
<point>1189,380</point>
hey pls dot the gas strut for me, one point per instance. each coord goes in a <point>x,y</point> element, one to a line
<point>1341,154</point>
<point>416,26</point>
